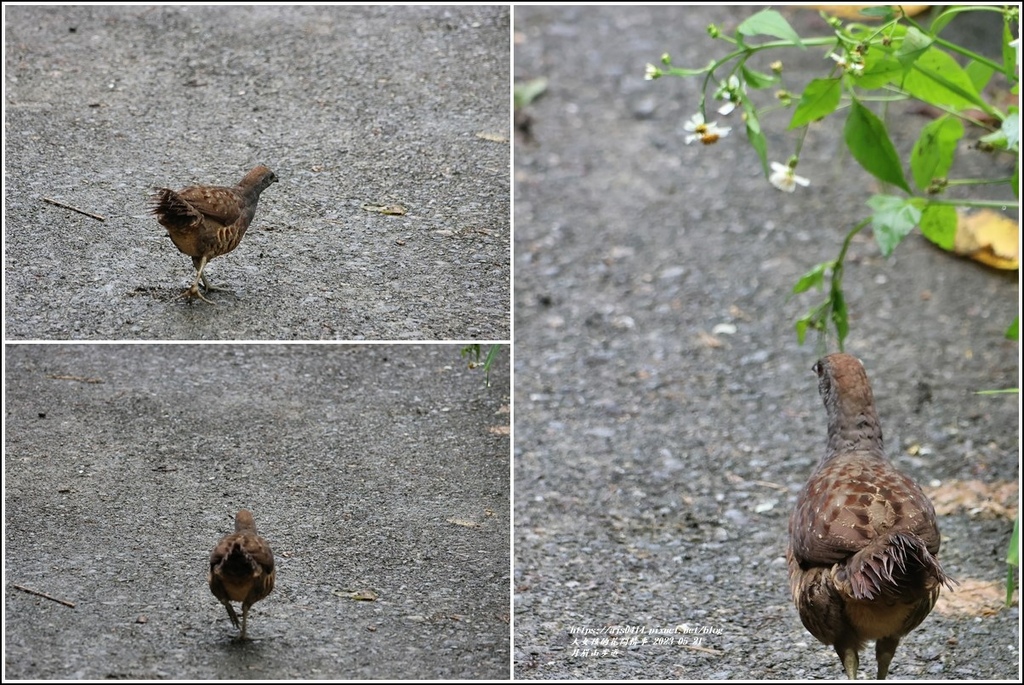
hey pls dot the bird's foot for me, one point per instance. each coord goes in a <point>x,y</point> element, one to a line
<point>194,292</point>
<point>210,287</point>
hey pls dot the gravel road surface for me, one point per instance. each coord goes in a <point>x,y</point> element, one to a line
<point>665,414</point>
<point>351,107</point>
<point>369,469</point>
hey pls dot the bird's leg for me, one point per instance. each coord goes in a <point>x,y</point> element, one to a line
<point>231,614</point>
<point>194,290</point>
<point>209,287</point>
<point>884,650</point>
<point>851,660</point>
<point>245,619</point>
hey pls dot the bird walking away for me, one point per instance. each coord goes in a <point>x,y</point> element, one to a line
<point>863,540</point>
<point>205,222</point>
<point>241,568</point>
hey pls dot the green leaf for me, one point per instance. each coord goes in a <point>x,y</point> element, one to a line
<point>1012,332</point>
<point>820,98</point>
<point>801,328</point>
<point>1009,53</point>
<point>979,73</point>
<point>940,22</point>
<point>769,23</point>
<point>526,92</point>
<point>757,79</point>
<point>914,45</point>
<point>869,143</point>
<point>883,12</point>
<point>932,156</point>
<point>879,70</point>
<point>755,136</point>
<point>938,224</point>
<point>815,278</point>
<point>936,78</point>
<point>893,218</point>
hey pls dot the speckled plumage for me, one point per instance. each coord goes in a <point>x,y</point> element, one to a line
<point>863,536</point>
<point>241,569</point>
<point>205,222</point>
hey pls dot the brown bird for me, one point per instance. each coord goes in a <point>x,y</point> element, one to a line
<point>863,538</point>
<point>241,568</point>
<point>209,221</point>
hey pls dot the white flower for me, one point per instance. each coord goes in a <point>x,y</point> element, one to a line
<point>705,133</point>
<point>651,72</point>
<point>856,68</point>
<point>730,91</point>
<point>784,178</point>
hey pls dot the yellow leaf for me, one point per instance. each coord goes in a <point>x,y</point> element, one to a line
<point>988,237</point>
<point>853,11</point>
<point>391,210</point>
<point>464,523</point>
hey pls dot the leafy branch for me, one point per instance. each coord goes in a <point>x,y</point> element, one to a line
<point>897,59</point>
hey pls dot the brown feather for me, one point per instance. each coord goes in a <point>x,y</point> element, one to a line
<point>241,568</point>
<point>205,222</point>
<point>864,540</point>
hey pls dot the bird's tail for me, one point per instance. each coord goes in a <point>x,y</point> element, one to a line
<point>891,565</point>
<point>170,209</point>
<point>237,562</point>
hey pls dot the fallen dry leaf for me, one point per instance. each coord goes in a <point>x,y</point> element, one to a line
<point>853,11</point>
<point>708,340</point>
<point>988,237</point>
<point>977,498</point>
<point>464,523</point>
<point>973,597</point>
<point>358,595</point>
<point>390,210</point>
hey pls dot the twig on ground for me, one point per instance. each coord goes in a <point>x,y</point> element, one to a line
<point>74,209</point>
<point>44,596</point>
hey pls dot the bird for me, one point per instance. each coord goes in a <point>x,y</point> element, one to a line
<point>863,539</point>
<point>241,568</point>
<point>205,222</point>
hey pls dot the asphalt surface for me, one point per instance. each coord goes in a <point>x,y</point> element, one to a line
<point>351,107</point>
<point>665,414</point>
<point>369,469</point>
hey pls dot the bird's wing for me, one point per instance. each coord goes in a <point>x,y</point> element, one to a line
<point>259,550</point>
<point>854,500</point>
<point>223,205</point>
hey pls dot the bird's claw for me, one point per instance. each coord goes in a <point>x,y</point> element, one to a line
<point>194,292</point>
